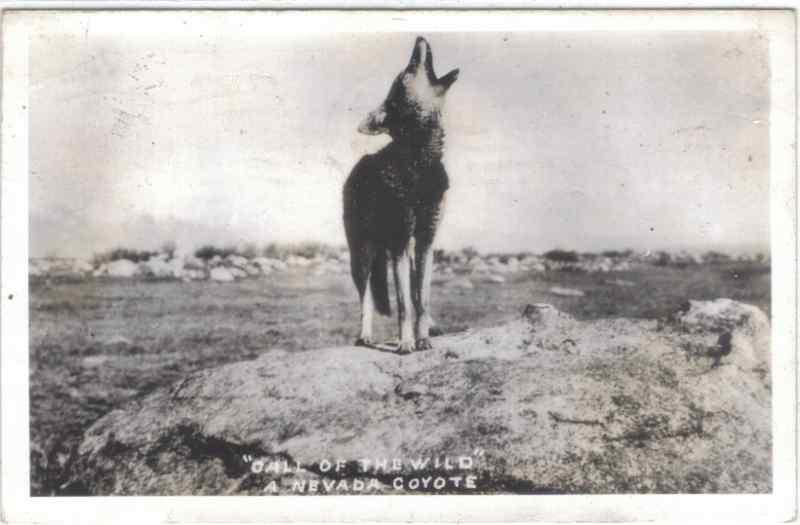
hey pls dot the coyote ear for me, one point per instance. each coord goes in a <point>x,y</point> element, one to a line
<point>374,122</point>
<point>446,81</point>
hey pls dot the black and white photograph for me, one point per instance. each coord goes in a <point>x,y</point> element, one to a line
<point>385,253</point>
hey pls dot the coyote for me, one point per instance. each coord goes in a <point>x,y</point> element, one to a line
<point>393,200</point>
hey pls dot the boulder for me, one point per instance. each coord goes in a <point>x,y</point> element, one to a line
<point>513,264</point>
<point>193,275</point>
<point>566,292</point>
<point>237,272</point>
<point>122,268</point>
<point>190,262</point>
<point>252,270</point>
<point>59,267</point>
<point>266,264</point>
<point>480,267</point>
<point>532,263</point>
<point>298,261</point>
<point>160,268</point>
<point>221,274</point>
<point>237,261</point>
<point>460,282</point>
<point>544,404</point>
<point>622,266</point>
<point>620,282</point>
<point>729,324</point>
<point>82,266</point>
<point>263,263</point>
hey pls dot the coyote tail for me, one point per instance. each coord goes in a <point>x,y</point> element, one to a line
<point>379,285</point>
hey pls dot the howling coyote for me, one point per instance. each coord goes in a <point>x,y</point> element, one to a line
<point>393,200</point>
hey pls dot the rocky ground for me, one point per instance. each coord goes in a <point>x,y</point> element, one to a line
<point>186,267</point>
<point>99,343</point>
<point>545,403</point>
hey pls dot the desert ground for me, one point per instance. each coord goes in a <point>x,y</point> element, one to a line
<point>99,339</point>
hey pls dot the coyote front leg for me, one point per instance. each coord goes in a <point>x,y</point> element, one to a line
<point>402,277</point>
<point>422,294</point>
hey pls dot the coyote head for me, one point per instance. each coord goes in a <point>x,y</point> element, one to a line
<point>415,99</point>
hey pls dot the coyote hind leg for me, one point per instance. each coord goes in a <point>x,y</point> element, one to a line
<point>367,307</point>
<point>360,268</point>
<point>422,294</point>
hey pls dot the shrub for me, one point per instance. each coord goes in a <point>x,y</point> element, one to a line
<point>309,250</point>
<point>169,248</point>
<point>208,252</point>
<point>249,250</point>
<point>122,253</point>
<point>617,253</point>
<point>470,252</point>
<point>561,256</point>
<point>713,257</point>
<point>662,259</point>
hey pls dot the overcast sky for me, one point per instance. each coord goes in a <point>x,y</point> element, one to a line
<point>575,140</point>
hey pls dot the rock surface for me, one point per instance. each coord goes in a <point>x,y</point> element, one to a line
<point>222,275</point>
<point>543,404</point>
<point>122,268</point>
<point>566,292</point>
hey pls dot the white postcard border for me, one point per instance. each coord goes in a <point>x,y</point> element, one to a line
<point>18,506</point>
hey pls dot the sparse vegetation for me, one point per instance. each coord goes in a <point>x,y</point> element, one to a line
<point>470,252</point>
<point>662,259</point>
<point>249,250</point>
<point>168,249</point>
<point>561,256</point>
<point>714,257</point>
<point>122,253</point>
<point>308,250</point>
<point>208,252</point>
<point>616,253</point>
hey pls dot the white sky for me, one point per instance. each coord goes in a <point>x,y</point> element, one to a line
<point>200,133</point>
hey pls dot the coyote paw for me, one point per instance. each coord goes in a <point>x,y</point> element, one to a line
<point>424,344</point>
<point>405,347</point>
<point>363,341</point>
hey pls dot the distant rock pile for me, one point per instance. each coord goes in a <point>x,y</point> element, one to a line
<point>459,269</point>
<point>163,266</point>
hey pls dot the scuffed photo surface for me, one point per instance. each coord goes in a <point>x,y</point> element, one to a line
<point>601,276</point>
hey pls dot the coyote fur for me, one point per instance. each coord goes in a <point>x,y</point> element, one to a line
<point>393,201</point>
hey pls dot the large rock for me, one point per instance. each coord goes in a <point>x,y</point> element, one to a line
<point>266,264</point>
<point>222,274</point>
<point>60,268</point>
<point>566,292</point>
<point>298,261</point>
<point>121,268</point>
<point>237,260</point>
<point>543,404</point>
<point>160,268</point>
<point>462,283</point>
